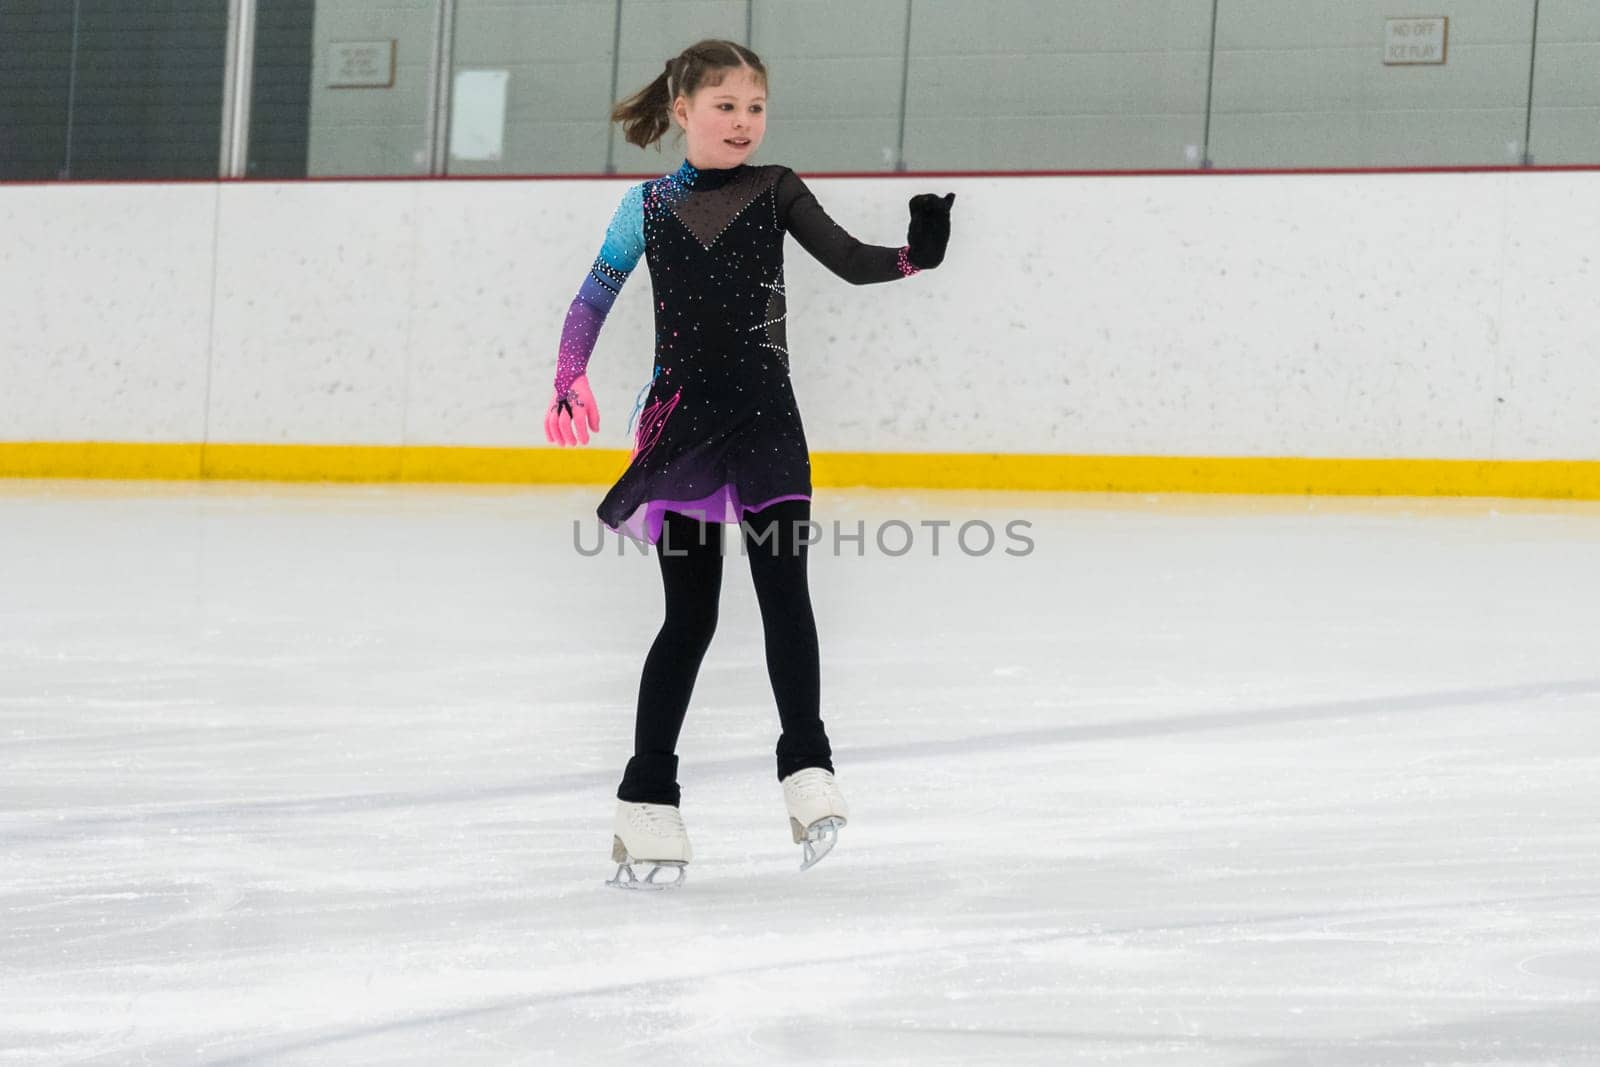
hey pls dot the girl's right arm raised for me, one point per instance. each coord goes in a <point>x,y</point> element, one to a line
<point>624,245</point>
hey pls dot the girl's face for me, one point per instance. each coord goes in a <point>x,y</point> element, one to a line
<point>723,124</point>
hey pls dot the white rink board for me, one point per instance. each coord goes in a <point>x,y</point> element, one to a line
<point>1363,316</point>
<point>106,292</point>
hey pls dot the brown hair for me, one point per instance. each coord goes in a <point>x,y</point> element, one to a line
<point>646,115</point>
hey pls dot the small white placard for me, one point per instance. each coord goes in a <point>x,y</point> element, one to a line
<point>1415,41</point>
<point>478,114</point>
<point>361,64</point>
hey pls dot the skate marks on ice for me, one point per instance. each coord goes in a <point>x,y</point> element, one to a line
<point>1558,1037</point>
<point>912,1003</point>
<point>1161,974</point>
<point>1077,1004</point>
<point>200,816</point>
<point>1268,716</point>
<point>1563,1034</point>
<point>225,814</point>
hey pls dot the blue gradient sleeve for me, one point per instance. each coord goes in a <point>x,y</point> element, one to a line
<point>619,255</point>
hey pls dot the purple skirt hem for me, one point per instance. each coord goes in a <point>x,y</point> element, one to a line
<point>723,505</point>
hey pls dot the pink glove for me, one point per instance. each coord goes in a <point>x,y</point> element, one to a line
<point>573,417</point>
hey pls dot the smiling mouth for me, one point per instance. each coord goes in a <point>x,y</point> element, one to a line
<point>737,142</point>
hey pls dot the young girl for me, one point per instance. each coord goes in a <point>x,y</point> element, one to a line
<point>719,438</point>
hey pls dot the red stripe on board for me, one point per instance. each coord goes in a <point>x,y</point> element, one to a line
<point>1185,173</point>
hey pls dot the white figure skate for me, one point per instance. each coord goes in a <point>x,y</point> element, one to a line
<point>816,811</point>
<point>653,834</point>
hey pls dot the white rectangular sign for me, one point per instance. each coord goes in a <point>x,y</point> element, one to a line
<point>361,64</point>
<point>478,114</point>
<point>1414,41</point>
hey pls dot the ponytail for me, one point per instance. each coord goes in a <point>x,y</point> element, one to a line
<point>646,116</point>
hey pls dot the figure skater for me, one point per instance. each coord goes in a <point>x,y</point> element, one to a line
<point>719,438</point>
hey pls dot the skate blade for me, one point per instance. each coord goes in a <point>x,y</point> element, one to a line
<point>801,832</point>
<point>626,879</point>
<point>817,840</point>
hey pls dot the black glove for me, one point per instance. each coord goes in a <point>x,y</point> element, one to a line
<point>930,229</point>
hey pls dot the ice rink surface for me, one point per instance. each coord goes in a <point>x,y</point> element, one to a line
<point>325,775</point>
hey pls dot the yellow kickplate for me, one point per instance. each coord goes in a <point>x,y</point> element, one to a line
<point>1551,479</point>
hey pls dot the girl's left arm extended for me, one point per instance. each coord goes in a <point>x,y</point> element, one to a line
<point>850,259</point>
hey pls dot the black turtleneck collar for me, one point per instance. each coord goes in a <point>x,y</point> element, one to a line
<point>700,178</point>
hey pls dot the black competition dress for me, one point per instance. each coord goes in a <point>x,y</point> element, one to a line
<point>719,432</point>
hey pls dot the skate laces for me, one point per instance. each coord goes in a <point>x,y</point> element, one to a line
<point>810,782</point>
<point>662,820</point>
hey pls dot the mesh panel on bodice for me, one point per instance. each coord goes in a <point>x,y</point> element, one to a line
<point>707,212</point>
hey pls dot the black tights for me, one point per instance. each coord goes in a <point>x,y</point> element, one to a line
<point>690,553</point>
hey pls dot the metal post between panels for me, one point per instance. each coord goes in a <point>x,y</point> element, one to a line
<point>1527,125</point>
<point>905,85</point>
<point>616,64</point>
<point>237,79</point>
<point>438,119</point>
<point>1211,81</point>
